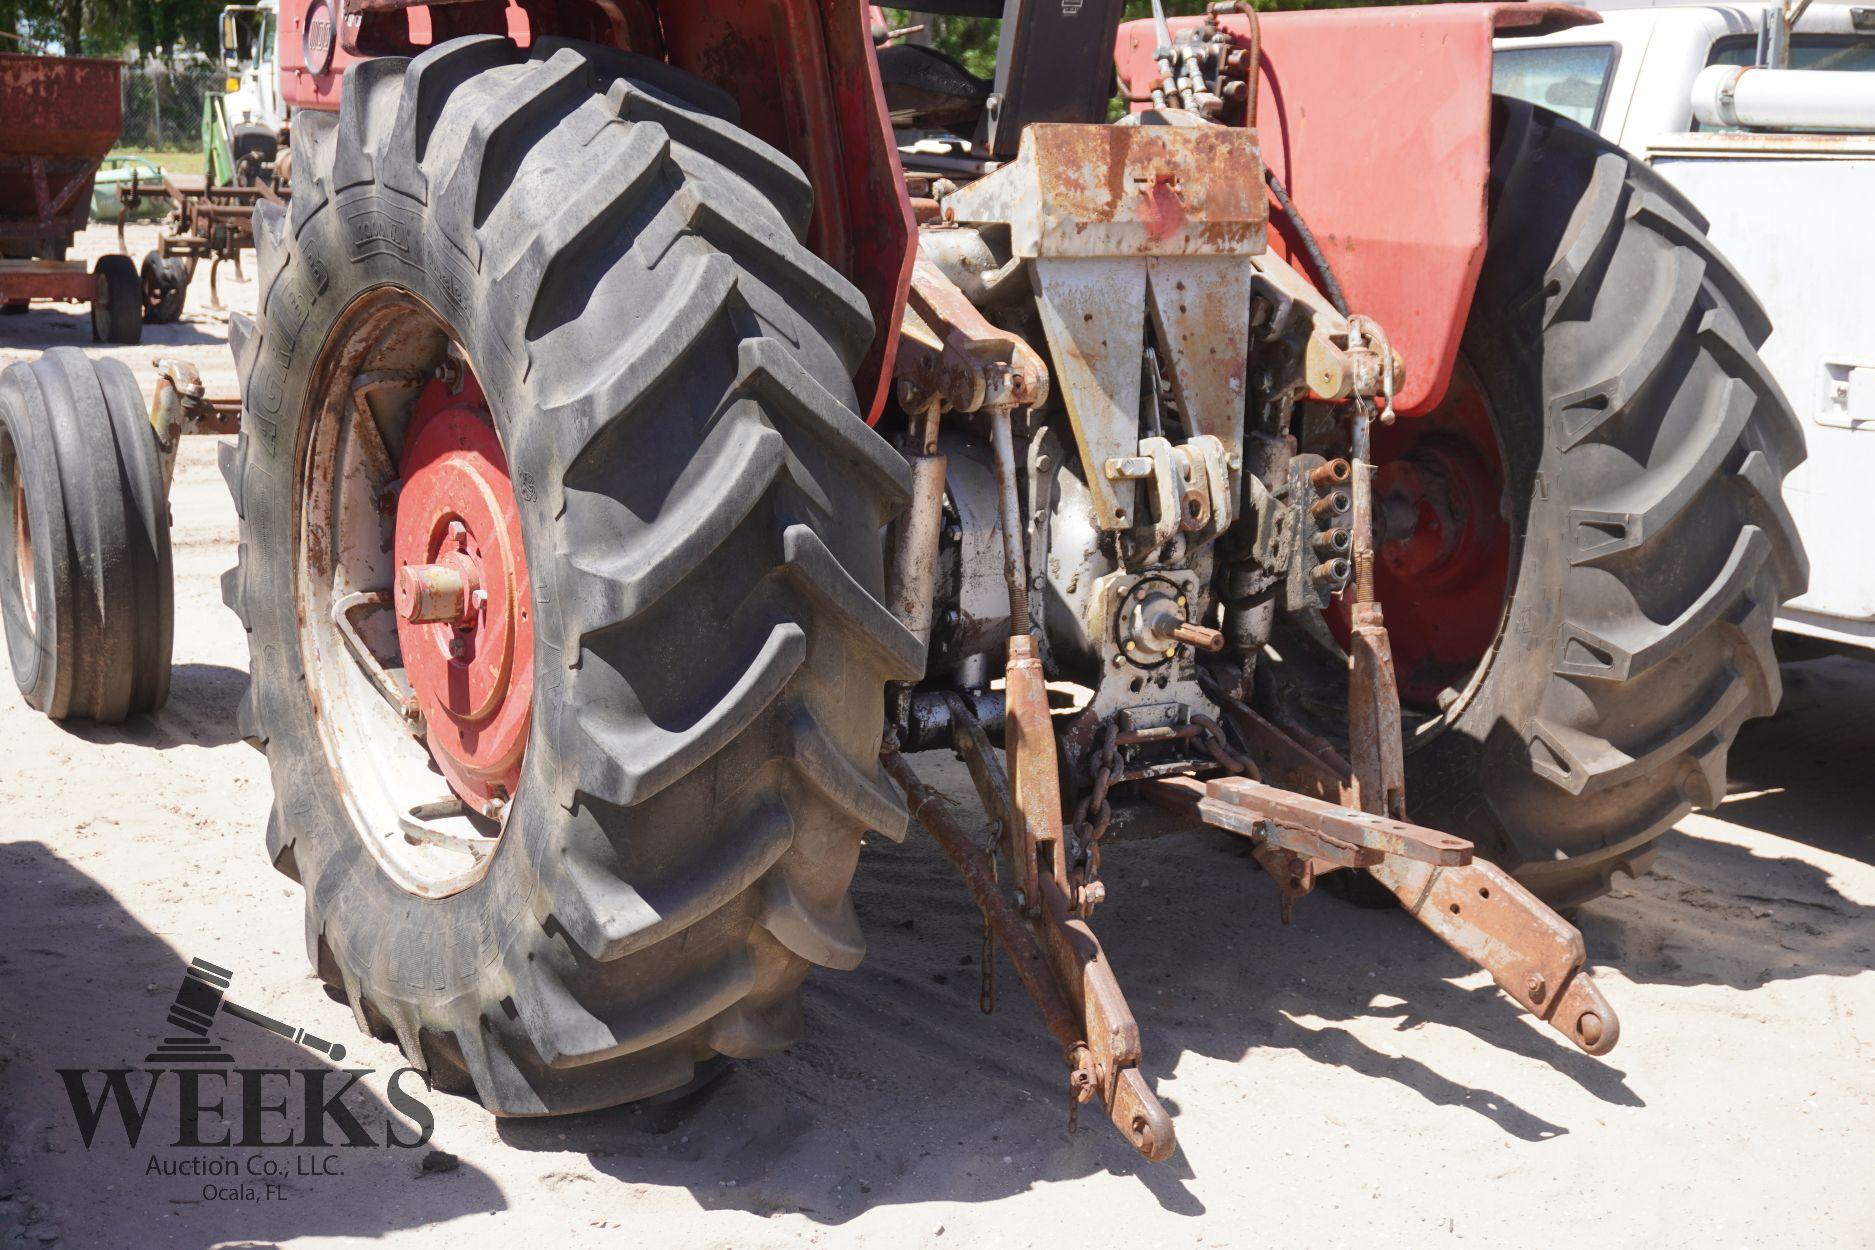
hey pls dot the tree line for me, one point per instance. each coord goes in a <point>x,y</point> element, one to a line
<point>162,27</point>
<point>117,28</point>
<point>972,40</point>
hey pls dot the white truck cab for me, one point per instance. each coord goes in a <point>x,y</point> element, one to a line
<point>1790,209</point>
<point>249,36</point>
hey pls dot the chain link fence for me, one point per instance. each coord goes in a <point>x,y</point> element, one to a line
<point>163,104</point>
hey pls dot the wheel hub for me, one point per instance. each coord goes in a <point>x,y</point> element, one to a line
<point>462,595</point>
<point>1444,543</point>
<point>1437,510</point>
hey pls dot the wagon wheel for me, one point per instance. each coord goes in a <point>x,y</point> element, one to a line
<point>165,284</point>
<point>116,301</point>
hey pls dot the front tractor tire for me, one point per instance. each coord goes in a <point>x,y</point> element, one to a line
<point>86,591</point>
<point>1643,448</point>
<point>573,272</point>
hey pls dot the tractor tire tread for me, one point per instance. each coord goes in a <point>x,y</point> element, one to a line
<point>678,874</point>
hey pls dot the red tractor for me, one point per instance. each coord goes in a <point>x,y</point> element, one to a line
<point>654,408</point>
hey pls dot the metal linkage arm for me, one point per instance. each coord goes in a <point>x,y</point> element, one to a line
<point>1060,963</point>
<point>1474,907</point>
<point>950,353</point>
<point>180,406</point>
<point>1533,954</point>
<point>1310,826</point>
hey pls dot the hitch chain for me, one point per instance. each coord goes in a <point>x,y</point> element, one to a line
<point>1217,746</point>
<point>1092,817</point>
<point>1216,742</point>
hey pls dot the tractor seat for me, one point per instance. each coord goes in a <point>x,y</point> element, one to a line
<point>924,87</point>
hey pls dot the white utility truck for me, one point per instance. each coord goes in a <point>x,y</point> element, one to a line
<point>1763,116</point>
<point>242,129</point>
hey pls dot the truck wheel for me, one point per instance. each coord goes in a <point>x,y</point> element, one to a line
<point>85,583</point>
<point>1587,541</point>
<point>165,283</point>
<point>116,301</point>
<point>561,565</point>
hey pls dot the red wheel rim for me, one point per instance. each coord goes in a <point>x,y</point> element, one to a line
<point>1445,545</point>
<point>462,595</point>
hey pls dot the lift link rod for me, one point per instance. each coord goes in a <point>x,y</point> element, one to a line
<point>1474,907</point>
<point>951,358</point>
<point>1064,970</point>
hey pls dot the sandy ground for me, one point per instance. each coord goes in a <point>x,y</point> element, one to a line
<point>1340,1081</point>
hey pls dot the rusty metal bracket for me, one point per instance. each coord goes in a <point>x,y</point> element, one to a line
<point>1111,1031</point>
<point>1473,906</point>
<point>180,406</point>
<point>1341,836</point>
<point>950,353</point>
<point>1030,735</point>
<point>1126,226</point>
<point>1534,955</point>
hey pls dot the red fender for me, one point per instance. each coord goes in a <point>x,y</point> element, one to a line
<point>1378,121</point>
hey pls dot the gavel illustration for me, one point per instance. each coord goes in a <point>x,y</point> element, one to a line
<point>204,994</point>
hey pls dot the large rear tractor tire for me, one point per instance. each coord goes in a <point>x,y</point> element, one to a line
<point>561,565</point>
<point>1641,450</point>
<point>85,581</point>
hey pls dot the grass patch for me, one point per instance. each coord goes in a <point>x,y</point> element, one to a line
<point>177,162</point>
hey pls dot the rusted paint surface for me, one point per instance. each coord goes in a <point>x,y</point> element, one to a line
<point>1533,954</point>
<point>207,222</point>
<point>1125,223</point>
<point>45,279</point>
<point>1030,735</point>
<point>1299,822</point>
<point>179,407</point>
<point>59,115</point>
<point>1081,967</point>
<point>1056,954</point>
<point>1084,190</point>
<point>1198,309</point>
<point>1374,728</point>
<point>59,105</point>
<point>1473,906</point>
<point>1111,1031</point>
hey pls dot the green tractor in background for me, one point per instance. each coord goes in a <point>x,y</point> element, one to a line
<point>245,159</point>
